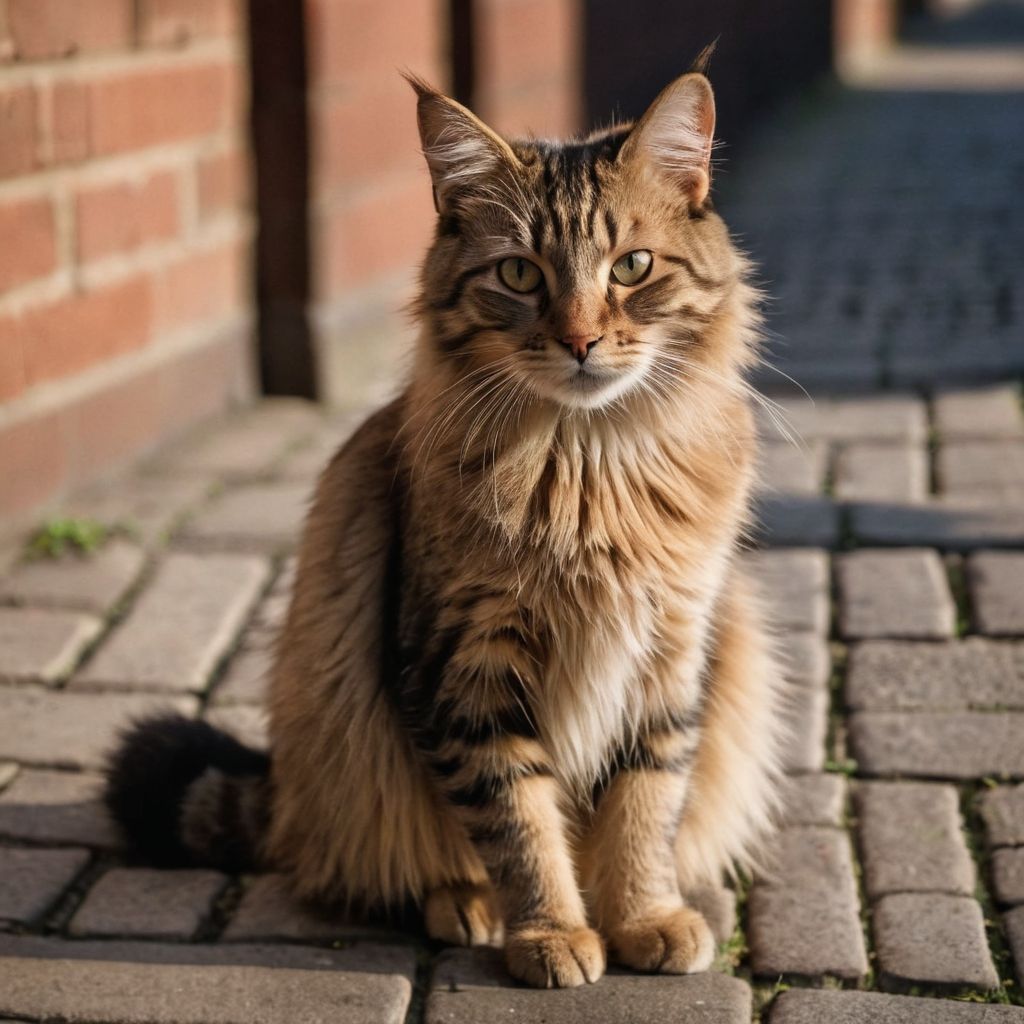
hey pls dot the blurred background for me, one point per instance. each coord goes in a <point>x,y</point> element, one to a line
<point>202,201</point>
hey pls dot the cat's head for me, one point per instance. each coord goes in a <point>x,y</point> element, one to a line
<point>581,271</point>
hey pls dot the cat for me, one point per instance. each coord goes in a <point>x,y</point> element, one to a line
<point>522,680</point>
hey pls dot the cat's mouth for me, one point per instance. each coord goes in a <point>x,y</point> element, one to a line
<point>592,388</point>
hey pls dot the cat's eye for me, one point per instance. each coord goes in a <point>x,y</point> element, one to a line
<point>519,274</point>
<point>633,267</point>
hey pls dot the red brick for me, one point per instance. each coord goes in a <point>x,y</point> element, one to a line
<point>350,39</point>
<point>114,425</point>
<point>144,108</point>
<point>861,27</point>
<point>223,182</point>
<point>28,246</point>
<point>543,110</point>
<point>203,285</point>
<point>75,332</point>
<point>205,381</point>
<point>359,134</point>
<point>525,40</point>
<point>379,232</point>
<point>125,215</point>
<point>17,130</point>
<point>59,28</point>
<point>69,141</point>
<point>12,361</point>
<point>33,464</point>
<point>6,42</point>
<point>176,22</point>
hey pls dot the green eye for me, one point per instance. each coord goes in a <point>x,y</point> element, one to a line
<point>633,267</point>
<point>519,274</point>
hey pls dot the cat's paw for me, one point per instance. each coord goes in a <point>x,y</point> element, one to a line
<point>555,958</point>
<point>463,915</point>
<point>678,941</point>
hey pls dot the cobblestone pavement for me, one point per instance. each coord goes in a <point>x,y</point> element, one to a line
<point>891,543</point>
<point>890,221</point>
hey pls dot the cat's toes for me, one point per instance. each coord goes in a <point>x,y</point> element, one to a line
<point>675,942</point>
<point>463,915</point>
<point>554,958</point>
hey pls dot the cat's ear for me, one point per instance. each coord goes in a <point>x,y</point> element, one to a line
<point>676,134</point>
<point>462,153</point>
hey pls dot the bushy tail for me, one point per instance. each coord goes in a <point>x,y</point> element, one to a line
<point>187,794</point>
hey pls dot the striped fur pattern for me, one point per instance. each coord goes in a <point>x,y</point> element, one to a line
<point>522,679</point>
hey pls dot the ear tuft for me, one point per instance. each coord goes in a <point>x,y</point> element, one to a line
<point>676,134</point>
<point>703,59</point>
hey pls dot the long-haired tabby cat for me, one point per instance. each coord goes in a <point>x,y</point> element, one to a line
<point>522,679</point>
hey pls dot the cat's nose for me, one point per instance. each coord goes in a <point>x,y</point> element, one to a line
<point>579,345</point>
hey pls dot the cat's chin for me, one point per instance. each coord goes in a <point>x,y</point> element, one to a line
<point>589,390</point>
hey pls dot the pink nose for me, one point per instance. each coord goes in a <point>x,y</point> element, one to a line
<point>579,345</point>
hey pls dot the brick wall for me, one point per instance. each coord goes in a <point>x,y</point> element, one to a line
<point>370,207</point>
<point>527,63</point>
<point>124,232</point>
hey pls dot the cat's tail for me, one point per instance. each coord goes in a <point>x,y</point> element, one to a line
<point>186,794</point>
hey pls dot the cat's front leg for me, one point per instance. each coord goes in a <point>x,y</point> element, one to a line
<point>479,739</point>
<point>630,855</point>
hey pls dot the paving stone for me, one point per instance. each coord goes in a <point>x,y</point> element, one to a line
<point>269,912</point>
<point>245,722</point>
<point>57,808</point>
<point>804,917</point>
<point>996,583</point>
<point>71,730</point>
<point>252,517</point>
<point>307,461</point>
<point>869,418</point>
<point>245,681</point>
<point>979,412</point>
<point>880,472</point>
<point>251,444</point>
<point>91,583</point>
<point>1002,810</point>
<point>939,744</point>
<point>807,1006</point>
<point>31,881</point>
<point>792,469</point>
<point>795,587</point>
<point>187,983</point>
<point>952,525</point>
<point>38,645</point>
<point>931,939</point>
<point>894,593</point>
<point>148,507</point>
<point>806,660</point>
<point>989,469</point>
<point>1013,922</point>
<point>814,799</point>
<point>273,609</point>
<point>1008,875</point>
<point>890,675</point>
<point>911,840</point>
<point>796,521</point>
<point>471,986</point>
<point>806,713</point>
<point>146,903</point>
<point>183,623</point>
<point>718,905</point>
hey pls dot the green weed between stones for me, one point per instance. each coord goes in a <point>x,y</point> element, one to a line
<point>57,537</point>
